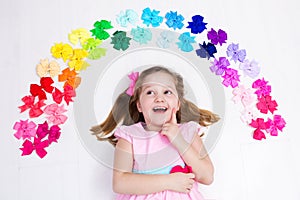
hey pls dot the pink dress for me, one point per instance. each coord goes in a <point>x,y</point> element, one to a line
<point>154,154</point>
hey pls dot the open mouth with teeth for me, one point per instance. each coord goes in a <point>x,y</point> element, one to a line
<point>160,109</point>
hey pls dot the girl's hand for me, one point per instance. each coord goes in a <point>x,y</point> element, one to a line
<point>181,182</point>
<point>171,129</point>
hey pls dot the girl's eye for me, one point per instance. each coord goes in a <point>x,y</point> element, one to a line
<point>149,92</point>
<point>168,92</point>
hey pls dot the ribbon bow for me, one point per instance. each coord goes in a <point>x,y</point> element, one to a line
<point>39,90</point>
<point>53,133</point>
<point>55,114</point>
<point>262,87</point>
<point>133,78</point>
<point>25,129</point>
<point>68,94</point>
<point>266,104</point>
<point>35,108</point>
<point>178,168</point>
<point>231,78</point>
<point>44,67</point>
<point>278,123</point>
<point>217,37</point>
<point>38,145</point>
<point>260,125</point>
<point>243,94</point>
<point>69,77</point>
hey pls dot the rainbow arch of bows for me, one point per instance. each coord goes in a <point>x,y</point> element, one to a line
<point>48,100</point>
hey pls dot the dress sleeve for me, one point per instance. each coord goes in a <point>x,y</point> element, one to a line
<point>121,132</point>
<point>191,129</point>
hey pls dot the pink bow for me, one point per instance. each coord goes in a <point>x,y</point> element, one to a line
<point>55,114</point>
<point>243,94</point>
<point>25,129</point>
<point>133,78</point>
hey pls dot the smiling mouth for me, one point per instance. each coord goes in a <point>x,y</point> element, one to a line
<point>160,109</point>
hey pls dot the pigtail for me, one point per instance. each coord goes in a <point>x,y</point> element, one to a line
<point>118,114</point>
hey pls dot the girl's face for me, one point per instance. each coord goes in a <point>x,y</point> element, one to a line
<point>157,99</point>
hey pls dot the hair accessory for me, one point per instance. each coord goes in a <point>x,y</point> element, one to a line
<point>133,78</point>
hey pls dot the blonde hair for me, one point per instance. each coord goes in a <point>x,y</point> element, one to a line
<point>125,111</point>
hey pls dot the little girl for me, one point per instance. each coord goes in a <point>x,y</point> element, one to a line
<point>159,153</point>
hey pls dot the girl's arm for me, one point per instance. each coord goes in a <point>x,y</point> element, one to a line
<point>196,156</point>
<point>126,182</point>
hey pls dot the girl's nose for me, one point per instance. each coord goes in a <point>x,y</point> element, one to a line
<point>159,98</point>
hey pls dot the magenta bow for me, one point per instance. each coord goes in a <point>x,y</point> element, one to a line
<point>53,133</point>
<point>34,108</point>
<point>278,123</point>
<point>38,145</point>
<point>260,125</point>
<point>133,78</point>
<point>262,87</point>
<point>231,78</point>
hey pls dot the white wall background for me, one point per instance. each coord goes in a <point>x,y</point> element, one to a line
<point>245,169</point>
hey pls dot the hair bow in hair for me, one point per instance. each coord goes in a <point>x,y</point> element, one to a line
<point>39,90</point>
<point>133,78</point>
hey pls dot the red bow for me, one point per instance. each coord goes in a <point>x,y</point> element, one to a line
<point>178,168</point>
<point>39,90</point>
<point>68,94</point>
<point>35,108</point>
